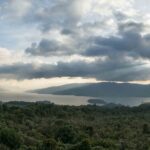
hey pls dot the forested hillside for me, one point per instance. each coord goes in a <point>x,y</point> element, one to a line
<point>43,126</point>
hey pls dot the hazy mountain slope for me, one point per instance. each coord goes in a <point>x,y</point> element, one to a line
<point>54,89</point>
<point>108,89</point>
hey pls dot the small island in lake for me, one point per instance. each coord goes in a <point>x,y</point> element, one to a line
<point>97,101</point>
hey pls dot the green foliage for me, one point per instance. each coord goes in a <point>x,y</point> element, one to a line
<point>3,147</point>
<point>37,126</point>
<point>146,129</point>
<point>84,145</point>
<point>10,138</point>
<point>66,134</point>
<point>49,144</point>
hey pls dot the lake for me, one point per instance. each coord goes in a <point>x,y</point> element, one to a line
<point>67,100</point>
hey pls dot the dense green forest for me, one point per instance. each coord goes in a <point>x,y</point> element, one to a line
<point>44,126</point>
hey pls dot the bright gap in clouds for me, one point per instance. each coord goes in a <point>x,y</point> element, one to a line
<point>25,85</point>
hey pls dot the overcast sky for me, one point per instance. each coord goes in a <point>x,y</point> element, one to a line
<point>52,42</point>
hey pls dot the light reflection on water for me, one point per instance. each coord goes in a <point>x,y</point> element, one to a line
<point>67,100</point>
<point>32,97</point>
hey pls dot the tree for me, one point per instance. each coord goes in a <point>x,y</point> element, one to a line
<point>145,129</point>
<point>66,134</point>
<point>10,138</point>
<point>49,144</point>
<point>84,145</point>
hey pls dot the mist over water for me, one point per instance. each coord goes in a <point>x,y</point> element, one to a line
<point>32,97</point>
<point>69,100</point>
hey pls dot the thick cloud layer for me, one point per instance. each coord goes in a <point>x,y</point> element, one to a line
<point>49,48</point>
<point>128,42</point>
<point>110,70</point>
<point>113,42</point>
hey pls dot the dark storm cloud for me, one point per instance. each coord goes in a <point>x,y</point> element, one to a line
<point>63,16</point>
<point>128,42</point>
<point>122,52</point>
<point>67,31</point>
<point>48,48</point>
<point>131,26</point>
<point>112,70</point>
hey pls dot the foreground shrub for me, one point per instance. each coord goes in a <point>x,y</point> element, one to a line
<point>49,144</point>
<point>84,145</point>
<point>10,138</point>
<point>66,134</point>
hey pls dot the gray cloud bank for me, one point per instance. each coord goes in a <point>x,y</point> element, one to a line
<point>125,54</point>
<point>128,42</point>
<point>118,45</point>
<point>111,70</point>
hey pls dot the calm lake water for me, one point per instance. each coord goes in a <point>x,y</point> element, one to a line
<point>67,100</point>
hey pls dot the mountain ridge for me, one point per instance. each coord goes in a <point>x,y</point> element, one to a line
<point>101,89</point>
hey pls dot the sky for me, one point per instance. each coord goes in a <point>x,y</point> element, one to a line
<point>53,42</point>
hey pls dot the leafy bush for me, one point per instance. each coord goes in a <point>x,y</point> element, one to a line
<point>10,138</point>
<point>84,145</point>
<point>49,144</point>
<point>66,134</point>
